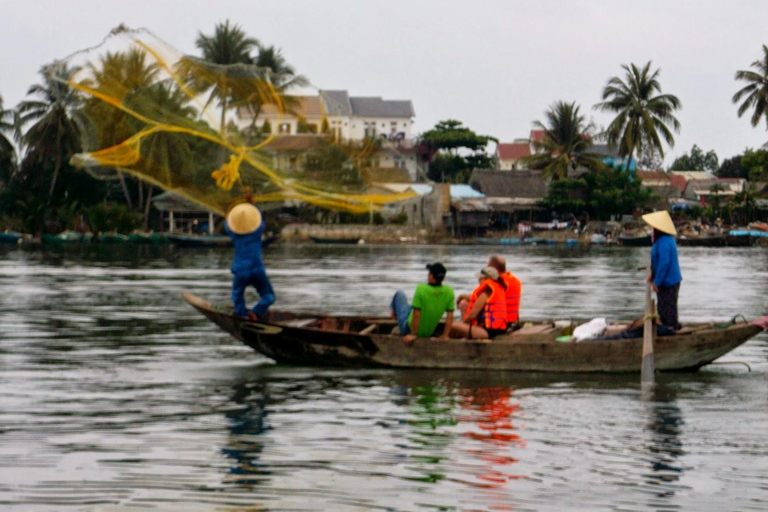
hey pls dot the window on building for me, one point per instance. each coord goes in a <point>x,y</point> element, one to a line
<point>285,128</point>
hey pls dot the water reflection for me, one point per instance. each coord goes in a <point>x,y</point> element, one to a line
<point>665,421</point>
<point>246,423</point>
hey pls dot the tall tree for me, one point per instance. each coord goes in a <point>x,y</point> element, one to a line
<point>57,125</point>
<point>755,94</point>
<point>566,144</point>
<point>697,160</point>
<point>228,45</point>
<point>455,150</point>
<point>643,114</point>
<point>8,130</point>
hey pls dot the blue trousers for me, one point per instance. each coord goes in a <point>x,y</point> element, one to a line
<point>402,311</point>
<point>258,279</point>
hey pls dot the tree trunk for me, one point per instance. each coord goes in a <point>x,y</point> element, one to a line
<point>125,190</point>
<point>146,207</point>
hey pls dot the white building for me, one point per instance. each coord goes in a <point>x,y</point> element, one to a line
<point>348,118</point>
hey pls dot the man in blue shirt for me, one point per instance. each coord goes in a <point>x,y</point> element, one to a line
<point>245,226</point>
<point>665,270</point>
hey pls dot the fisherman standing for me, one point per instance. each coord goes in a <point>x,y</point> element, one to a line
<point>244,224</point>
<point>665,274</point>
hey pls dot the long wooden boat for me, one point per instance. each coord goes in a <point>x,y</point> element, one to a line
<point>359,341</point>
<point>211,240</point>
<point>703,241</point>
<point>10,237</point>
<point>349,240</point>
<point>629,240</point>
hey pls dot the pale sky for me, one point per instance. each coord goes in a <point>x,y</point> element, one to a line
<point>495,65</point>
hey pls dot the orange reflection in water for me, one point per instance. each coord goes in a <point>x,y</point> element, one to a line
<point>491,416</point>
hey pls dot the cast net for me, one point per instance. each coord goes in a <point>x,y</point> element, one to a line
<point>206,131</point>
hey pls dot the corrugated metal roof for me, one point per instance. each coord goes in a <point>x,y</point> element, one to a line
<point>464,192</point>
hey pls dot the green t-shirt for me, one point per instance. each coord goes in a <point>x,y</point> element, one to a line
<point>433,301</point>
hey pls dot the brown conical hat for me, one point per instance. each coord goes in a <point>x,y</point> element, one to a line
<point>244,219</point>
<point>662,221</point>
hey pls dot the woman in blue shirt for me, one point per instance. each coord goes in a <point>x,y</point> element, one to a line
<point>665,270</point>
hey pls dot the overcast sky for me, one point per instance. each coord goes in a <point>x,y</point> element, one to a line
<point>495,65</point>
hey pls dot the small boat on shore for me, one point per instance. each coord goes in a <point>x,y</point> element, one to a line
<point>66,237</point>
<point>361,341</point>
<point>10,238</point>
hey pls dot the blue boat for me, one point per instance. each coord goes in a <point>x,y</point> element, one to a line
<point>10,237</point>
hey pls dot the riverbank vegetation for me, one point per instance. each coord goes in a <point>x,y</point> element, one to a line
<point>41,191</point>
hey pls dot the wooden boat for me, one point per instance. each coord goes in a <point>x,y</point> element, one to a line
<point>745,240</point>
<point>66,237</point>
<point>703,241</point>
<point>10,238</point>
<point>359,341</point>
<point>211,240</point>
<point>630,240</point>
<point>335,240</point>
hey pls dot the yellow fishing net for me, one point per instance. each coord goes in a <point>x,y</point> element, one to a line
<point>189,126</point>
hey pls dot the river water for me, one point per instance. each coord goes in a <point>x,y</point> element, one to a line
<point>118,396</point>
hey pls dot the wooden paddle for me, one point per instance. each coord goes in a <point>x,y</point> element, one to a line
<point>647,368</point>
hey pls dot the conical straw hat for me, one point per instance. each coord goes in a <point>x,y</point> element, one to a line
<point>662,221</point>
<point>244,219</point>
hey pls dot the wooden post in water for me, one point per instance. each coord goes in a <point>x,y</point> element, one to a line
<point>647,368</point>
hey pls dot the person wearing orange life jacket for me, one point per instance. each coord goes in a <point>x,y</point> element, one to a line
<point>484,312</point>
<point>514,289</point>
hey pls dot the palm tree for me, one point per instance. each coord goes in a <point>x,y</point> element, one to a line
<point>756,92</point>
<point>229,45</point>
<point>643,113</point>
<point>282,76</point>
<point>8,126</point>
<point>57,124</point>
<point>566,144</point>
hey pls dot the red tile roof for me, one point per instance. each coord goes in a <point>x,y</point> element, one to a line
<point>513,150</point>
<point>537,135</point>
<point>678,181</point>
<point>652,175</point>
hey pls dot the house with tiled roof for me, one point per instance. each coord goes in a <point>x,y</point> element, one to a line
<point>508,154</point>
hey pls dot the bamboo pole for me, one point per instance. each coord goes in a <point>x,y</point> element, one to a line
<point>647,368</point>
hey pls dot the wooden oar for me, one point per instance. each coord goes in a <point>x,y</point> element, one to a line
<point>647,368</point>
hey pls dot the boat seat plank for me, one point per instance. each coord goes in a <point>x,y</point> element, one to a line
<point>369,329</point>
<point>535,329</point>
<point>301,322</point>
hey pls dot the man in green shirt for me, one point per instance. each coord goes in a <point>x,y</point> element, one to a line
<point>430,302</point>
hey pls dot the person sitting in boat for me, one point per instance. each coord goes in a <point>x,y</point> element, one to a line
<point>484,312</point>
<point>513,292</point>
<point>244,224</point>
<point>665,276</point>
<point>430,302</point>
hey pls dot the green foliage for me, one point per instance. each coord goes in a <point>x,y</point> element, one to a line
<point>755,94</point>
<point>566,144</point>
<point>455,150</point>
<point>602,195</point>
<point>266,128</point>
<point>756,164</point>
<point>732,168</point>
<point>400,219</point>
<point>31,212</point>
<point>642,119</point>
<point>107,217</point>
<point>697,160</point>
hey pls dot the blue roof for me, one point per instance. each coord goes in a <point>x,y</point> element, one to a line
<point>457,191</point>
<point>464,192</point>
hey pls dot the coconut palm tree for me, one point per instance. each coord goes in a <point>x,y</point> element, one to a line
<point>566,144</point>
<point>56,122</point>
<point>8,127</point>
<point>229,45</point>
<point>756,93</point>
<point>643,114</point>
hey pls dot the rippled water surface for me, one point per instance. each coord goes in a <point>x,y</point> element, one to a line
<point>116,395</point>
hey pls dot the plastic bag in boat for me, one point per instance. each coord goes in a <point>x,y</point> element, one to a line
<point>590,330</point>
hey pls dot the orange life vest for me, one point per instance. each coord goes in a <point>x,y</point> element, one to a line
<point>514,290</point>
<point>495,309</point>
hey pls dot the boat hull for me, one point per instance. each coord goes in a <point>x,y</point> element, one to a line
<point>334,342</point>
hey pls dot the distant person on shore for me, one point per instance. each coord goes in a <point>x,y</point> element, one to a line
<point>484,312</point>
<point>244,224</point>
<point>665,276</point>
<point>430,302</point>
<point>513,291</point>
